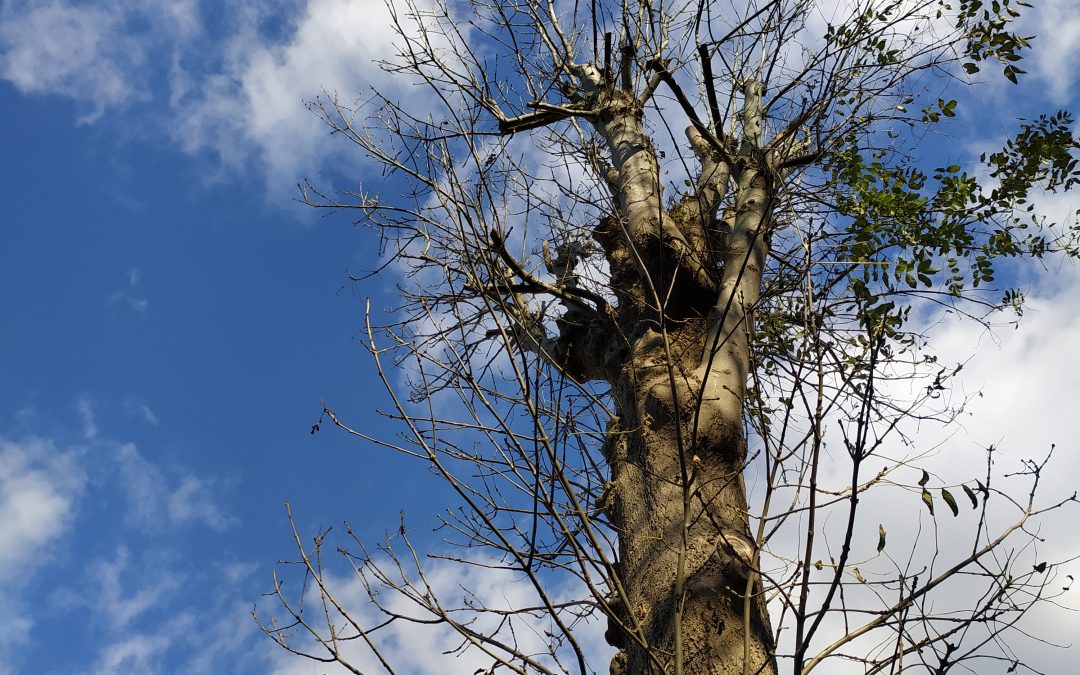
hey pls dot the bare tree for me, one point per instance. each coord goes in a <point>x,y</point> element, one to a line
<point>607,326</point>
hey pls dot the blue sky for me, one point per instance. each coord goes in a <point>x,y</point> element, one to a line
<point>170,320</point>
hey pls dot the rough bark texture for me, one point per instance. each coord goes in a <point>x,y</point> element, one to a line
<point>686,281</point>
<point>675,348</point>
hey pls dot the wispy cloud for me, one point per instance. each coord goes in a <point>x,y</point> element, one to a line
<point>193,502</point>
<point>85,406</point>
<point>140,653</point>
<point>130,295</point>
<point>200,639</point>
<point>119,605</point>
<point>155,499</point>
<point>43,487</point>
<point>138,407</point>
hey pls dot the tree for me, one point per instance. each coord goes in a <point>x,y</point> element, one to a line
<point>608,328</point>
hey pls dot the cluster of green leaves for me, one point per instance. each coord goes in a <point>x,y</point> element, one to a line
<point>942,109</point>
<point>1041,155</point>
<point>986,26</point>
<point>906,230</point>
<point>862,32</point>
<point>892,232</point>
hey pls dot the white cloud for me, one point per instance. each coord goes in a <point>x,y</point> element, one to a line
<point>236,572</point>
<point>97,55</point>
<point>143,484</point>
<point>153,500</point>
<point>1026,375</point>
<point>139,305</point>
<point>158,619</point>
<point>197,639</point>
<point>75,51</point>
<point>153,612</point>
<point>15,628</point>
<point>86,413</point>
<point>193,502</point>
<point>139,654</point>
<point>252,111</point>
<point>129,295</point>
<point>1020,383</point>
<point>228,638</point>
<point>431,648</point>
<point>1056,25</point>
<point>117,605</point>
<point>139,408</point>
<point>39,486</point>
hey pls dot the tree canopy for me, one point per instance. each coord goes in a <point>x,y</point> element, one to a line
<point>666,271</point>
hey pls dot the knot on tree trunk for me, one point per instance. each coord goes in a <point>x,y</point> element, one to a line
<point>619,663</point>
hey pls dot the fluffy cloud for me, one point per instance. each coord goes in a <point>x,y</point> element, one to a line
<point>431,647</point>
<point>51,500</point>
<point>74,51</point>
<point>1056,25</point>
<point>39,486</point>
<point>1018,378</point>
<point>96,55</point>
<point>246,109</point>
<point>1019,384</point>
<point>238,97</point>
<point>252,110</point>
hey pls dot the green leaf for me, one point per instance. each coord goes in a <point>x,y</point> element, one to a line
<point>925,479</point>
<point>971,495</point>
<point>880,537</point>
<point>928,499</point>
<point>971,68</point>
<point>951,501</point>
<point>1012,71</point>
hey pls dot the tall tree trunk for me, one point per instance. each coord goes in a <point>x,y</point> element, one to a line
<point>677,447</point>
